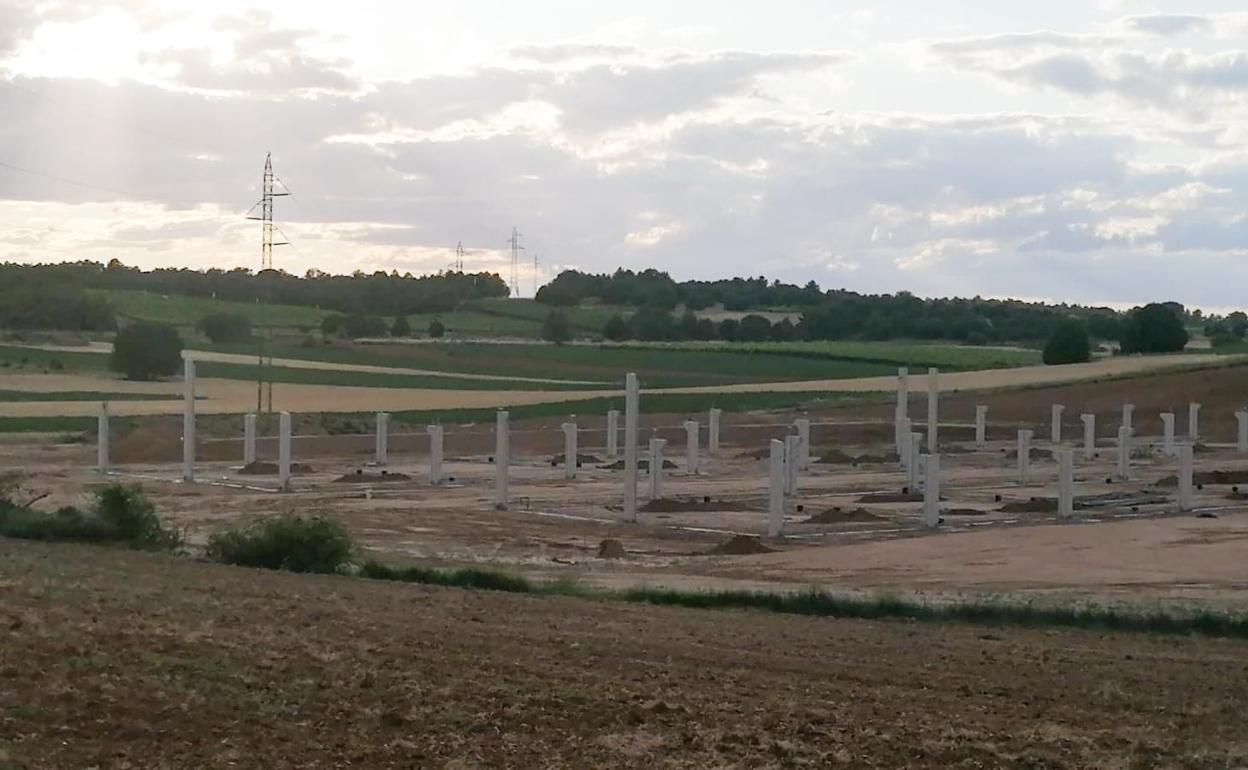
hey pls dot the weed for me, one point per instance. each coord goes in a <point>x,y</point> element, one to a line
<point>288,542</point>
<point>120,514</point>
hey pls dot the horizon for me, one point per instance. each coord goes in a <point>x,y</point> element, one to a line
<point>1079,153</point>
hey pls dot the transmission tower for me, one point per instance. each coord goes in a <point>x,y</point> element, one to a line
<point>535,264</point>
<point>266,215</point>
<point>459,257</point>
<point>516,248</point>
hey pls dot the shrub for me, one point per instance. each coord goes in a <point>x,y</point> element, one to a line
<point>356,326</point>
<point>753,328</point>
<point>400,327</point>
<point>289,542</point>
<point>120,514</point>
<point>1154,328</point>
<point>331,324</point>
<point>146,350</point>
<point>556,328</point>
<point>616,329</point>
<point>436,329</point>
<point>226,327</point>
<point>1068,344</point>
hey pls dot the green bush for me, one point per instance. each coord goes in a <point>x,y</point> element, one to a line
<point>147,350</point>
<point>1154,328</point>
<point>401,327</point>
<point>1068,344</point>
<point>120,514</point>
<point>226,327</point>
<point>436,329</point>
<point>556,328</point>
<point>288,542</point>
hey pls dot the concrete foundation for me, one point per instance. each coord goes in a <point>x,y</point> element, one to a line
<point>569,450</point>
<point>792,451</point>
<point>656,467</point>
<point>1241,436</point>
<point>1167,433</point>
<point>1065,482</point>
<point>435,454</point>
<point>933,405</point>
<point>102,441</point>
<point>1193,421</point>
<point>631,405</point>
<point>691,446</point>
<point>613,434</point>
<point>901,413</point>
<point>381,450</point>
<point>283,450</point>
<point>914,471</point>
<point>1124,453</point>
<point>931,490</point>
<point>775,490</point>
<point>981,426</point>
<point>803,451</point>
<point>1187,490</point>
<point>1055,418</point>
<point>712,431</point>
<point>249,439</point>
<point>502,458</point>
<point>1024,457</point>
<point>1089,435</point>
<point>188,421</point>
<point>1127,411</point>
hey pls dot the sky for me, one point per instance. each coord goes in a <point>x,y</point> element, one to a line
<point>1092,152</point>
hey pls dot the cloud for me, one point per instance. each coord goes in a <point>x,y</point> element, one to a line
<point>1167,24</point>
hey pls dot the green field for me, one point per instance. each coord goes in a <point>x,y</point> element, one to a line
<point>346,379</point>
<point>187,311</point>
<point>913,354</point>
<point>12,396</point>
<point>14,357</point>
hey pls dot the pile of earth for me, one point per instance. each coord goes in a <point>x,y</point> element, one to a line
<point>153,441</point>
<point>1035,453</point>
<point>266,468</point>
<point>611,549</point>
<point>891,497</point>
<point>642,465</point>
<point>581,459</point>
<point>691,504</point>
<point>1209,477</point>
<point>740,545</point>
<point>362,477</point>
<point>1034,505</point>
<point>838,516</point>
<point>841,457</point>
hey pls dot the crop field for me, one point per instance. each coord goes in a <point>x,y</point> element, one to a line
<point>946,357</point>
<point>182,310</point>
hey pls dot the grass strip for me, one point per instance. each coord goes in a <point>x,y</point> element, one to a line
<point>823,604</point>
<point>82,395</point>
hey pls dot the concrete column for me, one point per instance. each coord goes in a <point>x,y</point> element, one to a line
<point>101,445</point>
<point>1167,433</point>
<point>902,411</point>
<point>1241,443</point>
<point>691,446</point>
<point>933,402</point>
<point>656,467</point>
<point>188,420</point>
<point>981,426</point>
<point>1193,422</point>
<point>803,451</point>
<point>283,450</point>
<point>1124,453</point>
<point>249,439</point>
<point>631,406</point>
<point>1187,490</point>
<point>931,490</point>
<point>915,467</point>
<point>1055,429</point>
<point>712,431</point>
<point>569,450</point>
<point>1024,456</point>
<point>381,453</point>
<point>775,498</point>
<point>903,456</point>
<point>1089,435</point>
<point>613,434</point>
<point>1065,482</point>
<point>792,451</point>
<point>502,458</point>
<point>435,454</point>
<point>1127,411</point>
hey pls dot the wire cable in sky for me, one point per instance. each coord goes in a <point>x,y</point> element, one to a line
<point>100,188</point>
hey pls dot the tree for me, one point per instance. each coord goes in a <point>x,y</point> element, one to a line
<point>436,329</point>
<point>556,328</point>
<point>356,326</point>
<point>729,329</point>
<point>1154,328</point>
<point>331,324</point>
<point>400,327</point>
<point>1237,322</point>
<point>616,329</point>
<point>147,350</point>
<point>1068,344</point>
<point>754,328</point>
<point>226,327</point>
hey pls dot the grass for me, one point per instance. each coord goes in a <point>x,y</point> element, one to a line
<point>295,375</point>
<point>289,542</point>
<point>68,425</point>
<point>80,395</point>
<point>181,310</point>
<point>823,604</point>
<point>34,359</point>
<point>913,354</point>
<point>120,514</point>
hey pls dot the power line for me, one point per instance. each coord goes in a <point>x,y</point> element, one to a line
<point>96,187</point>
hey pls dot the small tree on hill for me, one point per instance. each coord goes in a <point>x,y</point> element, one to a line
<point>146,350</point>
<point>754,328</point>
<point>400,327</point>
<point>331,324</point>
<point>226,327</point>
<point>1068,344</point>
<point>436,329</point>
<point>1154,328</point>
<point>616,329</point>
<point>556,328</point>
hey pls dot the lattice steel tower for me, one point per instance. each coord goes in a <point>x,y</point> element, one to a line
<point>266,215</point>
<point>516,248</point>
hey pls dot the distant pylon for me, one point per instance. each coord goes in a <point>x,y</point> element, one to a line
<point>535,264</point>
<point>459,257</point>
<point>266,215</point>
<point>516,248</point>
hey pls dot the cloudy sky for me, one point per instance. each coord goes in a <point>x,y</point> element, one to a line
<point>1084,151</point>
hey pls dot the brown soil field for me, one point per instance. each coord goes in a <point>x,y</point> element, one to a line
<point>120,659</point>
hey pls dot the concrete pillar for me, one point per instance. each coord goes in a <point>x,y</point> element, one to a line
<point>101,442</point>
<point>1127,411</point>
<point>1167,433</point>
<point>381,452</point>
<point>1241,442</point>
<point>1187,490</point>
<point>1065,482</point>
<point>902,412</point>
<point>914,469</point>
<point>435,454</point>
<point>903,456</point>
<point>613,434</point>
<point>712,431</point>
<point>803,451</point>
<point>1124,453</point>
<point>569,450</point>
<point>656,467</point>
<point>188,420</point>
<point>981,426</point>
<point>631,405</point>
<point>1055,429</point>
<point>792,451</point>
<point>249,439</point>
<point>1089,435</point>
<point>933,402</point>
<point>283,450</point>
<point>1024,456</point>
<point>691,446</point>
<point>931,490</point>
<point>502,458</point>
<point>775,498</point>
<point>1193,422</point>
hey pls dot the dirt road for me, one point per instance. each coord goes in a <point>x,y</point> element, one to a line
<point>116,659</point>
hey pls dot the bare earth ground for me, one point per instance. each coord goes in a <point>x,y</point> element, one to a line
<point>236,396</point>
<point>118,659</point>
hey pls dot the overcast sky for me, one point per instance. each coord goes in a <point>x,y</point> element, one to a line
<point>1084,151</point>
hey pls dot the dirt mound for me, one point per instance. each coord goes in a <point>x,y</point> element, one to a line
<point>891,497</point>
<point>611,549</point>
<point>265,468</point>
<point>740,545</point>
<point>1035,453</point>
<point>841,457</point>
<point>1208,477</point>
<point>642,465</point>
<point>963,512</point>
<point>581,459</point>
<point>838,516</point>
<point>691,504</point>
<point>1034,505</point>
<point>362,477</point>
<point>153,441</point>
